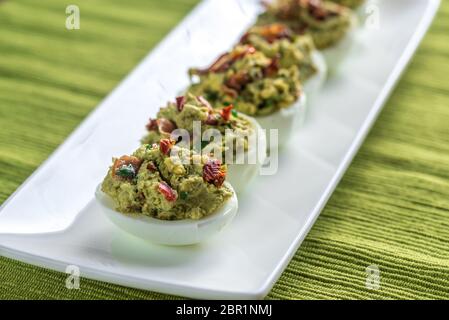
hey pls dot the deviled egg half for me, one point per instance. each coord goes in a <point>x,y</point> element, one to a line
<point>255,85</point>
<point>168,195</point>
<point>362,8</point>
<point>228,135</point>
<point>331,26</point>
<point>277,40</point>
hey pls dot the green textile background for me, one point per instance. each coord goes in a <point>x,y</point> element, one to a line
<point>391,209</point>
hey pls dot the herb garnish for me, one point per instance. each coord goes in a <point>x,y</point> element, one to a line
<point>126,171</point>
<point>183,195</point>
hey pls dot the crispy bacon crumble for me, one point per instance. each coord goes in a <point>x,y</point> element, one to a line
<point>213,173</point>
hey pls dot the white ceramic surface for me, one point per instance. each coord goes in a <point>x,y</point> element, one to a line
<point>53,221</point>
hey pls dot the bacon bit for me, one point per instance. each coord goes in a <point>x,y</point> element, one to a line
<point>152,125</point>
<point>225,61</point>
<point>204,102</point>
<point>123,162</point>
<point>168,193</point>
<point>165,145</point>
<point>316,9</point>
<point>222,64</point>
<point>291,9</point>
<point>275,32</point>
<point>238,81</point>
<point>213,173</point>
<point>272,68</point>
<point>180,102</point>
<point>244,38</point>
<point>165,126</point>
<point>211,120</point>
<point>151,167</point>
<point>226,112</point>
<point>301,29</point>
<point>239,55</point>
<point>270,33</point>
<point>161,125</point>
<point>318,13</point>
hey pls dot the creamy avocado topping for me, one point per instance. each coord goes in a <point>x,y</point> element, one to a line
<point>278,41</point>
<point>326,22</point>
<point>254,83</point>
<point>155,183</point>
<point>235,129</point>
<point>349,3</point>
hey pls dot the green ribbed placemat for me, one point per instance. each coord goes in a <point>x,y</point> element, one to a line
<point>391,208</point>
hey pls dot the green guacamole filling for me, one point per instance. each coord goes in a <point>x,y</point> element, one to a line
<point>349,3</point>
<point>154,183</point>
<point>326,22</point>
<point>254,83</point>
<point>278,41</point>
<point>234,128</point>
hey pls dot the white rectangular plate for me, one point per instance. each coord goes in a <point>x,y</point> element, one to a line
<point>52,220</point>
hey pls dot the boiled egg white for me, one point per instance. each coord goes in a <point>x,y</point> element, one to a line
<point>164,232</point>
<point>240,175</point>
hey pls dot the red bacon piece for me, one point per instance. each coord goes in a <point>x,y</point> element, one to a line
<point>272,68</point>
<point>165,126</point>
<point>238,81</point>
<point>180,102</point>
<point>161,125</point>
<point>152,125</point>
<point>211,120</point>
<point>168,193</point>
<point>165,145</point>
<point>225,61</point>
<point>151,167</point>
<point>226,112</point>
<point>212,173</point>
